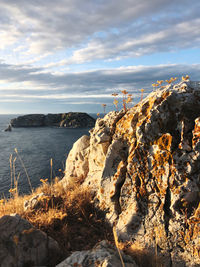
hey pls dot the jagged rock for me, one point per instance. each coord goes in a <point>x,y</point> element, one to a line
<point>23,245</point>
<point>70,120</point>
<point>33,202</point>
<point>42,201</point>
<point>95,154</point>
<point>8,129</point>
<point>102,254</point>
<point>144,167</point>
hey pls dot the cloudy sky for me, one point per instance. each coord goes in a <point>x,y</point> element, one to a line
<point>71,55</point>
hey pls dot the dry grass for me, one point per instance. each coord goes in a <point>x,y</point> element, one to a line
<point>70,216</point>
<point>12,205</point>
<point>67,214</point>
<point>142,256</point>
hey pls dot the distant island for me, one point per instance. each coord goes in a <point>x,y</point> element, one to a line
<point>68,120</point>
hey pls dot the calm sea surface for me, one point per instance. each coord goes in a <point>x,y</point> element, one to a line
<point>36,146</point>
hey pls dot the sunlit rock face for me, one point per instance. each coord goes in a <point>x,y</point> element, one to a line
<point>144,165</point>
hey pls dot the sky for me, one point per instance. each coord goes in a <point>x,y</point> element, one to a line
<point>71,55</point>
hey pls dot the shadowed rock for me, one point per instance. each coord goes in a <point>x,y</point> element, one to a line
<point>8,129</point>
<point>23,245</point>
<point>69,120</point>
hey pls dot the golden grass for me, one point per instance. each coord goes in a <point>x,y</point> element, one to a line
<point>13,205</point>
<point>70,217</point>
<point>66,214</point>
<point>142,256</point>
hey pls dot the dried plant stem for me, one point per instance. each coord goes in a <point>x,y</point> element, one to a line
<point>22,163</point>
<point>51,164</point>
<point>116,243</point>
<point>10,160</point>
<point>14,177</point>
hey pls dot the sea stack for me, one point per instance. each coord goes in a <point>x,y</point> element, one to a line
<point>8,129</point>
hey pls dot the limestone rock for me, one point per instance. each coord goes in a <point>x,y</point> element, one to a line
<point>42,201</point>
<point>102,255</point>
<point>144,166</point>
<point>23,245</point>
<point>77,165</point>
<point>33,202</point>
<point>94,151</point>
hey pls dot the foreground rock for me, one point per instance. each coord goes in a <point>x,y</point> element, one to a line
<point>144,166</point>
<point>102,255</point>
<point>23,245</point>
<point>69,120</point>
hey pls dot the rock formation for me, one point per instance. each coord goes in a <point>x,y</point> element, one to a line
<point>8,129</point>
<point>23,245</point>
<point>102,255</point>
<point>144,166</point>
<point>69,120</point>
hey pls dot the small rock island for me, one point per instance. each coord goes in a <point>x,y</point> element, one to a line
<point>68,120</point>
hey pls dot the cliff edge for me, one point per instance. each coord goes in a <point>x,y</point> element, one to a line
<point>144,167</point>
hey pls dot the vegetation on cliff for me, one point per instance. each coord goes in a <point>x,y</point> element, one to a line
<point>137,172</point>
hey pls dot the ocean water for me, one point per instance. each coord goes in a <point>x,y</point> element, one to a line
<point>36,146</point>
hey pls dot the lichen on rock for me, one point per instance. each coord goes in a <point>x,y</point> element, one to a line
<point>144,165</point>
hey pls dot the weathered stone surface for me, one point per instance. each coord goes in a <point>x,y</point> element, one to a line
<point>94,151</point>
<point>23,245</point>
<point>42,201</point>
<point>77,165</point>
<point>145,168</point>
<point>33,202</point>
<point>102,254</point>
<point>70,120</point>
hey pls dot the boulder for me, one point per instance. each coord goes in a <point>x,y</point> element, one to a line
<point>42,202</point>
<point>103,254</point>
<point>77,165</point>
<point>33,202</point>
<point>144,167</point>
<point>23,245</point>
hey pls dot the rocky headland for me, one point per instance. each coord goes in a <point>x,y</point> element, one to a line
<point>142,167</point>
<point>68,120</point>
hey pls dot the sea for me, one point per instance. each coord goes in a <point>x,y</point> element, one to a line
<point>35,148</point>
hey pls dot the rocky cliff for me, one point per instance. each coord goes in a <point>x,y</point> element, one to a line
<point>144,167</point>
<point>70,120</point>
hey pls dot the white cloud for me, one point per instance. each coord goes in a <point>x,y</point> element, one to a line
<point>33,83</point>
<point>45,26</point>
<point>52,50</point>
